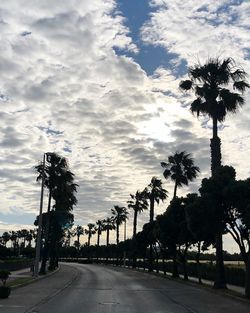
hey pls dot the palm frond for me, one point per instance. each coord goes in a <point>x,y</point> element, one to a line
<point>241,85</point>
<point>186,84</point>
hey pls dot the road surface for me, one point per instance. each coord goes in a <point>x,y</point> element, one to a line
<point>103,289</point>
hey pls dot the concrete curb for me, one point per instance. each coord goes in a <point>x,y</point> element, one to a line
<point>35,279</point>
<point>46,299</point>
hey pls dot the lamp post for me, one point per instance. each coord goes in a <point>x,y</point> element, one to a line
<point>124,253</point>
<point>39,232</point>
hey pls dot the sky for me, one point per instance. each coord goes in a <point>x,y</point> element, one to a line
<point>98,82</point>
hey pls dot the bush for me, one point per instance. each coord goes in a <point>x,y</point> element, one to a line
<point>4,292</point>
<point>4,275</point>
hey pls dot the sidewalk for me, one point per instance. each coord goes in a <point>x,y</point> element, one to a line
<point>23,273</point>
<point>25,299</point>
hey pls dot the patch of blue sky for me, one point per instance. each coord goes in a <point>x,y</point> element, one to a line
<point>67,149</point>
<point>25,33</point>
<point>25,218</point>
<point>50,131</point>
<point>149,57</point>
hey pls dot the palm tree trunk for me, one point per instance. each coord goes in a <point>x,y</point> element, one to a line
<point>134,234</point>
<point>247,283</point>
<point>135,223</point>
<point>175,265</point>
<point>175,190</point>
<point>117,233</point>
<point>151,219</point>
<point>151,211</point>
<point>220,280</point>
<point>215,145</point>
<point>89,238</point>
<point>46,241</point>
<point>98,238</point>
<point>107,240</point>
<point>150,261</point>
<point>198,262</point>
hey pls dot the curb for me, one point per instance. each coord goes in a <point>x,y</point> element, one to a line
<point>46,299</point>
<point>35,279</point>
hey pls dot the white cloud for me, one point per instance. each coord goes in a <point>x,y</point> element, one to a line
<point>64,88</point>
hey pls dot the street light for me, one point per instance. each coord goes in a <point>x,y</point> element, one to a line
<point>40,219</point>
<point>124,252</point>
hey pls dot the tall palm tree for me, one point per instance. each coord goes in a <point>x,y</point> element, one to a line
<point>90,231</point>
<point>180,168</point>
<point>13,238</point>
<point>60,182</point>
<point>30,237</point>
<point>6,237</point>
<point>100,228</point>
<point>155,193</point>
<point>138,203</point>
<point>120,215</point>
<point>213,99</point>
<point>108,224</point>
<point>209,82</point>
<point>78,232</point>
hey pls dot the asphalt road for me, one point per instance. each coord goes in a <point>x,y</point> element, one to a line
<point>102,289</point>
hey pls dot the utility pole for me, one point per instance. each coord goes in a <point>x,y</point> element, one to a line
<point>39,232</point>
<point>124,253</point>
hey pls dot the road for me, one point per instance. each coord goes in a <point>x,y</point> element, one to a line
<point>102,289</point>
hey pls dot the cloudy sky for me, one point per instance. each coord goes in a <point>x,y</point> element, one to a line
<point>97,82</point>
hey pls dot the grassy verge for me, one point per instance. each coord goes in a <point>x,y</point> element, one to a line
<point>20,281</point>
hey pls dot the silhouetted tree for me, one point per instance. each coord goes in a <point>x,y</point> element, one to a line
<point>209,82</point>
<point>181,169</point>
<point>78,232</point>
<point>108,225</point>
<point>60,182</point>
<point>120,215</point>
<point>155,193</point>
<point>138,203</point>
<point>90,232</point>
<point>99,228</point>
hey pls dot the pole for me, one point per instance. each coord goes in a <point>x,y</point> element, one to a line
<point>39,232</point>
<point>124,253</point>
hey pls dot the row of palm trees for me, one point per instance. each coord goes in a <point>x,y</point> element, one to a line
<point>18,238</point>
<point>218,86</point>
<point>180,168</point>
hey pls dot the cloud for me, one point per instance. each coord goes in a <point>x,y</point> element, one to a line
<point>64,88</point>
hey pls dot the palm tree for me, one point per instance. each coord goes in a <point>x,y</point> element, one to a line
<point>60,182</point>
<point>90,231</point>
<point>13,238</point>
<point>78,232</point>
<point>209,82</point>
<point>99,227</point>
<point>155,193</point>
<point>6,237</point>
<point>29,237</point>
<point>180,168</point>
<point>120,215</point>
<point>24,234</point>
<point>108,224</point>
<point>138,203</point>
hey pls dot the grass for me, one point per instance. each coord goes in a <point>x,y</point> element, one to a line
<point>20,281</point>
